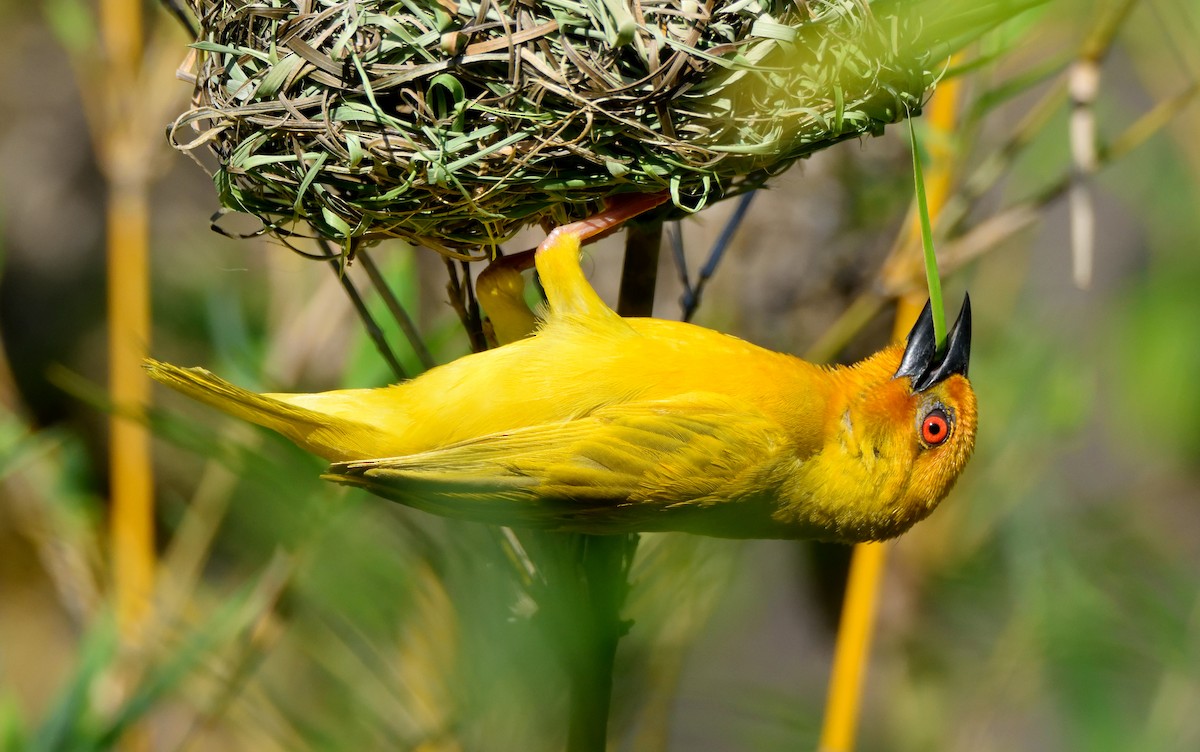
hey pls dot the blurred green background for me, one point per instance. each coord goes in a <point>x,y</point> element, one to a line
<point>1052,602</point>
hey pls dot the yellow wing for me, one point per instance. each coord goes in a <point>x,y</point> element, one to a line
<point>634,467</point>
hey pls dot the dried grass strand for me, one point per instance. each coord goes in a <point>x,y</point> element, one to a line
<point>367,120</point>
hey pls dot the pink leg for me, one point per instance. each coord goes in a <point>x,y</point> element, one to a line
<point>519,261</point>
<point>619,210</point>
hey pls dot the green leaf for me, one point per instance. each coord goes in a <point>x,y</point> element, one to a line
<point>447,96</point>
<point>931,269</point>
<point>225,49</point>
<point>65,725</point>
<point>309,177</point>
<point>277,76</point>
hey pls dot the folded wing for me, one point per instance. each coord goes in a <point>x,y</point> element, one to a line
<point>622,468</point>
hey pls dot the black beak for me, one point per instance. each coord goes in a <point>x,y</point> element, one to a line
<point>921,361</point>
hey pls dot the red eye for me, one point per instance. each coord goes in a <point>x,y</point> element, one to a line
<point>935,427</point>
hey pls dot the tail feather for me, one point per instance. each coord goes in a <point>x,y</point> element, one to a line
<point>335,438</point>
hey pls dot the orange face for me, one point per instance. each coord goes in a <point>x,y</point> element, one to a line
<point>891,456</point>
<point>947,420</point>
<point>897,435</point>
<point>931,412</point>
<point>925,438</point>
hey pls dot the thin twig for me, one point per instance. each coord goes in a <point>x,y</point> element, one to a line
<point>674,233</point>
<point>692,293</point>
<point>474,319</point>
<point>364,315</point>
<point>465,305</point>
<point>403,320</point>
<point>176,9</point>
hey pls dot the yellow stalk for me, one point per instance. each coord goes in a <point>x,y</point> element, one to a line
<point>122,35</point>
<point>120,138</point>
<point>132,506</point>
<point>853,647</point>
<point>868,560</point>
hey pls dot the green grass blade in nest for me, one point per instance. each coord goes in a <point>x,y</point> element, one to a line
<point>457,129</point>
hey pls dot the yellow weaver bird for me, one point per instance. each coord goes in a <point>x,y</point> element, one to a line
<point>601,424</point>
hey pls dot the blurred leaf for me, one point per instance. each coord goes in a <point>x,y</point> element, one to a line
<point>74,23</point>
<point>12,729</point>
<point>14,442</point>
<point>1158,360</point>
<point>234,617</point>
<point>68,723</point>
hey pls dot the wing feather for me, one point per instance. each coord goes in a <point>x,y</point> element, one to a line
<point>611,468</point>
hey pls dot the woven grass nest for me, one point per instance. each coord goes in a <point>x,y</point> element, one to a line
<point>454,123</point>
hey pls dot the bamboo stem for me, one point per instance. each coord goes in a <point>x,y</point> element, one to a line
<point>853,647</point>
<point>869,560</point>
<point>123,35</point>
<point>124,156</point>
<point>132,484</point>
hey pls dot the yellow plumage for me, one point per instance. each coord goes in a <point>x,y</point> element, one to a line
<point>601,424</point>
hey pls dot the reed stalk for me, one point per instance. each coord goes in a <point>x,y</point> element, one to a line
<point>868,563</point>
<point>123,157</point>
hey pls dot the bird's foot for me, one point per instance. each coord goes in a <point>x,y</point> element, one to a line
<point>620,209</point>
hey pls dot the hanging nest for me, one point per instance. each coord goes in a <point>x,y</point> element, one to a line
<point>454,124</point>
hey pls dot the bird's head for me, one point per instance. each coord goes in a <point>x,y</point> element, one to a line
<point>905,432</point>
<point>939,422</point>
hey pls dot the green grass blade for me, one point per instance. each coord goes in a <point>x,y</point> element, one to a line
<point>65,726</point>
<point>931,270</point>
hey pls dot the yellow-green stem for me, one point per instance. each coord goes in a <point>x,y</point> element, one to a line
<point>132,505</point>
<point>119,140</point>
<point>932,280</point>
<point>868,562</point>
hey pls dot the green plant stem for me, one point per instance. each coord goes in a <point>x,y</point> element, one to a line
<point>403,320</point>
<point>360,307</point>
<point>603,566</point>
<point>931,268</point>
<point>595,628</point>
